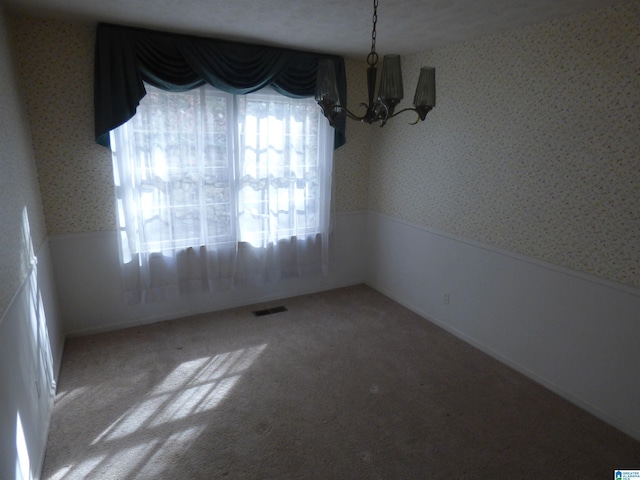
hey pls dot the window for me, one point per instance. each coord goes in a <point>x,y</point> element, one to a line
<point>204,169</point>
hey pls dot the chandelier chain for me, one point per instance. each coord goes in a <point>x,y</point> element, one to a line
<point>372,58</point>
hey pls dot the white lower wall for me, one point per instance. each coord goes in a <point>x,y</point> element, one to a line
<point>88,280</point>
<point>30,356</point>
<point>576,334</point>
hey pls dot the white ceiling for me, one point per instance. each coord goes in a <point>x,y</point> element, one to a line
<point>331,26</point>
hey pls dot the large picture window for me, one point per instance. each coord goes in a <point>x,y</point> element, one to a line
<point>214,189</point>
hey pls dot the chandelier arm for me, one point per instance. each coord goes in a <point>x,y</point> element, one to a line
<point>352,115</point>
<point>420,111</point>
<point>377,112</point>
<point>382,113</point>
<point>333,112</point>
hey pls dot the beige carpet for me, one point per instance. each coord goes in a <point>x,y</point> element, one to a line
<point>346,384</point>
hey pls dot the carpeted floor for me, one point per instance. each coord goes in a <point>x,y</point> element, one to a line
<point>346,384</point>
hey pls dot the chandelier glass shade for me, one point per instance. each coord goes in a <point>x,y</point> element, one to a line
<point>390,91</point>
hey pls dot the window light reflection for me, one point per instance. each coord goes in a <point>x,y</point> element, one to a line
<point>192,387</point>
<point>23,465</point>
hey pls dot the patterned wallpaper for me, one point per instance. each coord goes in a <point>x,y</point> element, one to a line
<point>534,145</point>
<point>351,161</point>
<point>22,229</point>
<point>56,69</point>
<point>56,66</point>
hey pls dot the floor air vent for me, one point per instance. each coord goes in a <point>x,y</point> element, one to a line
<point>269,311</point>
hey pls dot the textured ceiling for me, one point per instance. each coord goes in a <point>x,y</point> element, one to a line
<point>331,26</point>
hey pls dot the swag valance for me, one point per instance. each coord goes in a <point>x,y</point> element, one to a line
<point>126,57</point>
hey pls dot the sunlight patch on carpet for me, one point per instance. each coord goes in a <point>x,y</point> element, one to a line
<point>192,388</point>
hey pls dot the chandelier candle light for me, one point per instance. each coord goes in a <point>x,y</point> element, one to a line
<point>390,91</point>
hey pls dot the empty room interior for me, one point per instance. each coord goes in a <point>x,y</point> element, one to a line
<point>457,297</point>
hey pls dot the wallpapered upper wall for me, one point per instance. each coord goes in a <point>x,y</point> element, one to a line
<point>56,70</point>
<point>351,161</point>
<point>56,67</point>
<point>22,229</point>
<point>534,145</point>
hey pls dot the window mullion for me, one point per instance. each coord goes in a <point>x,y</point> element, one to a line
<point>290,155</point>
<point>201,125</point>
<point>234,146</point>
<point>263,159</point>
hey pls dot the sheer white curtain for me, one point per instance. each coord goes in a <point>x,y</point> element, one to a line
<point>214,190</point>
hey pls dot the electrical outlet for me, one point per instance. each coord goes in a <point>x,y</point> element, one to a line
<point>446,298</point>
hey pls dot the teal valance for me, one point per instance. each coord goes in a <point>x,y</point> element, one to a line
<point>127,57</point>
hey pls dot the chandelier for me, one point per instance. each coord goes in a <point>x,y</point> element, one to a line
<point>390,91</point>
